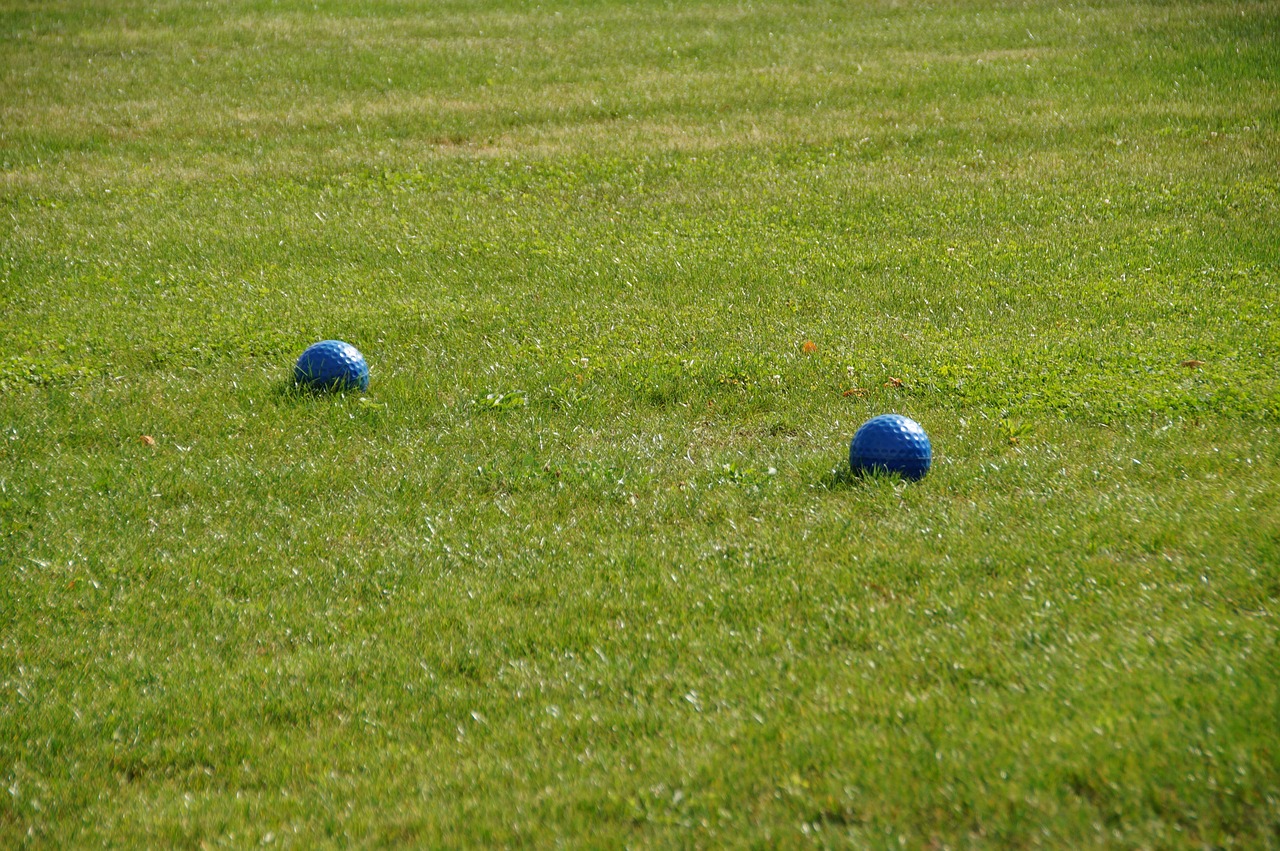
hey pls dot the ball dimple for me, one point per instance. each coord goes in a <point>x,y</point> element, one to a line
<point>332,365</point>
<point>891,443</point>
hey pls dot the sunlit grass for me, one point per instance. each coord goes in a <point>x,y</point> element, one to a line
<point>586,564</point>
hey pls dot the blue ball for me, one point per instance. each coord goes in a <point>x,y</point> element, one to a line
<point>891,443</point>
<point>332,365</point>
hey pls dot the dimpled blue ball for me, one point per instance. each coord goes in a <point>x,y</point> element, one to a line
<point>332,365</point>
<point>892,443</point>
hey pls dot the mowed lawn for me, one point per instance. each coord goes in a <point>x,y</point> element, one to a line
<point>587,565</point>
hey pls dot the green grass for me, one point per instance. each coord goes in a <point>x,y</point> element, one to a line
<point>586,565</point>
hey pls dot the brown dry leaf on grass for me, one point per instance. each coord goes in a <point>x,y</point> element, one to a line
<point>1193,364</point>
<point>893,382</point>
<point>809,347</point>
<point>856,391</point>
<point>147,440</point>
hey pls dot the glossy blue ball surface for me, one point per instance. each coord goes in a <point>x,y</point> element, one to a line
<point>891,443</point>
<point>332,365</point>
